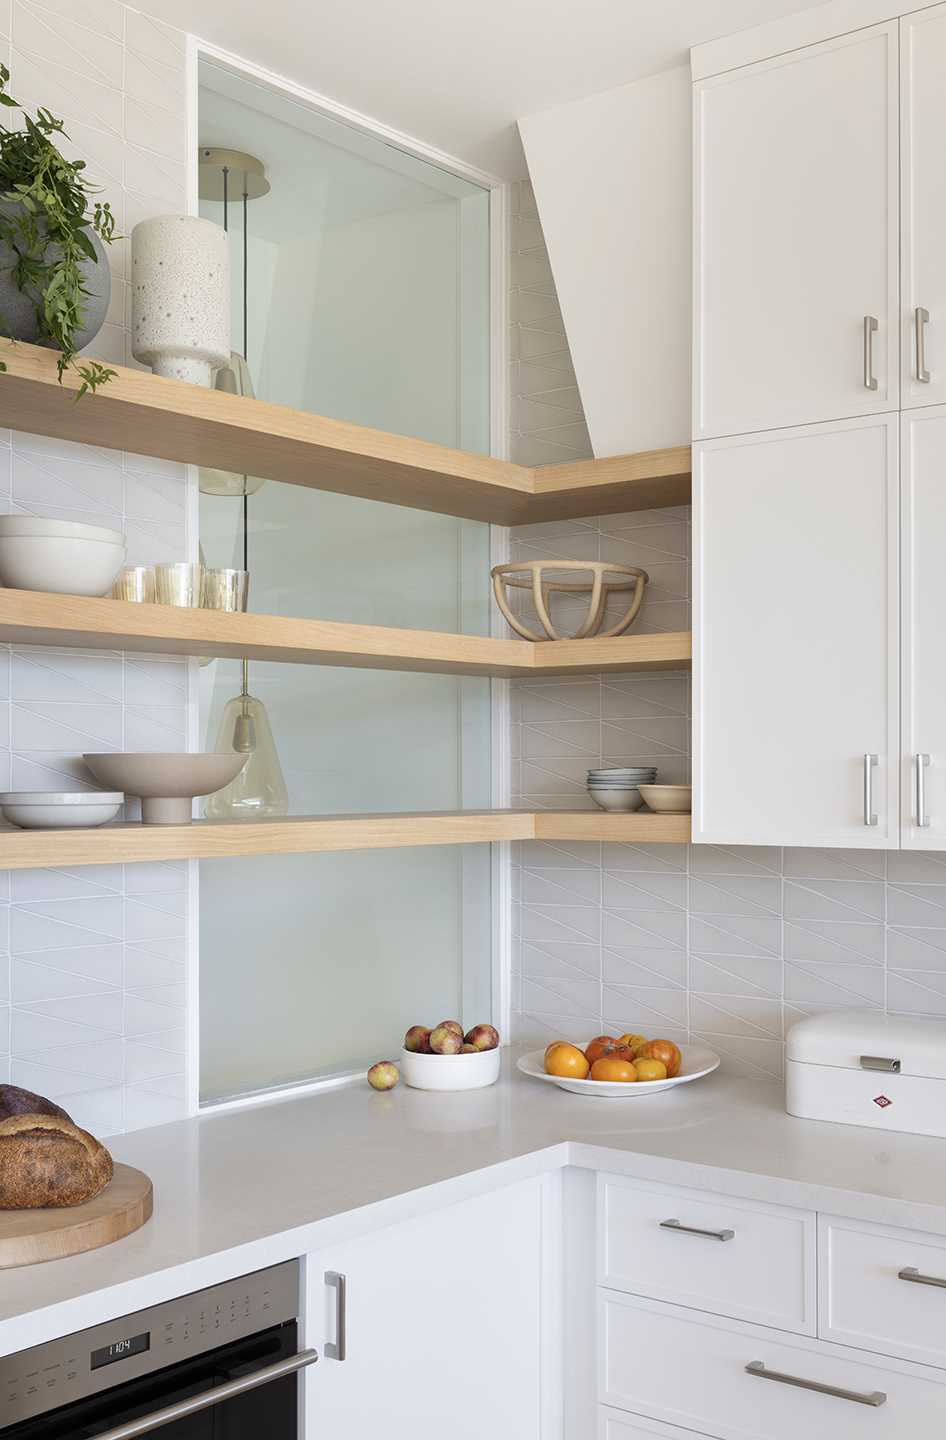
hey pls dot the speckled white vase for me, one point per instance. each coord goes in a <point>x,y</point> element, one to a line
<point>180,270</point>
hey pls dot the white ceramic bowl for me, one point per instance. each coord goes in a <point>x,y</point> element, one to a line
<point>625,800</point>
<point>450,1072</point>
<point>61,557</point>
<point>166,783</point>
<point>59,810</point>
<point>696,1061</point>
<point>668,799</point>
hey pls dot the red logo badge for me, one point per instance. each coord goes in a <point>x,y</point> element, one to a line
<point>882,1101</point>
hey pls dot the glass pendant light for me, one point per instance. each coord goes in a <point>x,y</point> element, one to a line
<point>260,788</point>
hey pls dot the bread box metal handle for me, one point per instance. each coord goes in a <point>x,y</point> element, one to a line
<point>880,1062</point>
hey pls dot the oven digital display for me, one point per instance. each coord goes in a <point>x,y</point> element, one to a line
<point>121,1350</point>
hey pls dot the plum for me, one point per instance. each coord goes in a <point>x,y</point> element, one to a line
<point>417,1040</point>
<point>453,1025</point>
<point>445,1041</point>
<point>483,1037</point>
<point>468,1050</point>
<point>383,1075</point>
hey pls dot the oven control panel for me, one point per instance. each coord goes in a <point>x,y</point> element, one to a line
<point>61,1371</point>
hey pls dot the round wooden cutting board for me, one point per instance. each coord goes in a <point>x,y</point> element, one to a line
<point>30,1236</point>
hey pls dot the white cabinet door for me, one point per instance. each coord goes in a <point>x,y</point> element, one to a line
<point>796,237</point>
<point>923,554</point>
<point>445,1327</point>
<point>795,637</point>
<point>923,206</point>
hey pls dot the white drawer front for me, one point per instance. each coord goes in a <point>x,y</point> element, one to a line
<point>764,1273</point>
<point>615,1425</point>
<point>865,1303</point>
<point>670,1364</point>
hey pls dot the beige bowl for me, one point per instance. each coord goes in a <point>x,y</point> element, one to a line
<point>166,783</point>
<point>668,799</point>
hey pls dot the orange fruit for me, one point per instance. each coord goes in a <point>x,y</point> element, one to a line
<point>613,1067</point>
<point>633,1042</point>
<point>600,1045</point>
<point>666,1051</point>
<point>566,1061</point>
<point>650,1069</point>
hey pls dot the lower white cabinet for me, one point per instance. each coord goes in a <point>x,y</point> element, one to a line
<point>616,1425</point>
<point>747,1382</point>
<point>450,1324</point>
<point>796,611</point>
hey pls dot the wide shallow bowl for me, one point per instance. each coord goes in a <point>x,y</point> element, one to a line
<point>166,783</point>
<point>697,1061</point>
<point>59,809</point>
<point>668,799</point>
<point>625,800</point>
<point>66,529</point>
<point>450,1072</point>
<point>60,564</point>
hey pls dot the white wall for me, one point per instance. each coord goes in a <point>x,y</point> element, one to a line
<point>611,176</point>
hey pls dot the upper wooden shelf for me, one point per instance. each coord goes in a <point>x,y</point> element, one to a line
<point>31,618</point>
<point>147,415</point>
<point>313,834</point>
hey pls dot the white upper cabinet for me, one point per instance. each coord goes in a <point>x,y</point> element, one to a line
<point>923,611</point>
<point>796,237</point>
<point>795,637</point>
<point>923,206</point>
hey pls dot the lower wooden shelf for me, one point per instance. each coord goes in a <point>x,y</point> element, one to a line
<point>310,834</point>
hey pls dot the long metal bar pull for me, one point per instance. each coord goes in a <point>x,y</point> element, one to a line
<point>182,1408</point>
<point>911,1273</point>
<point>921,318</point>
<point>920,762</point>
<point>338,1350</point>
<point>693,1230</point>
<point>870,330</point>
<point>870,815</point>
<point>859,1397</point>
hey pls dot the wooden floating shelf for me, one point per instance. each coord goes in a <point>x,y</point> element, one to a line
<point>31,618</point>
<point>312,834</point>
<point>148,415</point>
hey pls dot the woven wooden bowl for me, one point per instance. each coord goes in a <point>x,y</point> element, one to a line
<point>542,579</point>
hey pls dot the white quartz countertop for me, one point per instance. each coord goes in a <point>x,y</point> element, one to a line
<point>249,1187</point>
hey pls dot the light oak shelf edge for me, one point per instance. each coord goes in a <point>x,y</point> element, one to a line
<point>74,621</point>
<point>149,415</point>
<point>313,834</point>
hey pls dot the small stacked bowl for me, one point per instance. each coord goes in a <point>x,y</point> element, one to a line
<point>619,788</point>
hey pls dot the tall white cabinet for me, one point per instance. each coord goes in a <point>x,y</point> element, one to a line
<point>819,546</point>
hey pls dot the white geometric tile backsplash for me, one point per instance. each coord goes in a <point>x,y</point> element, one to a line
<point>93,960</point>
<point>729,945</point>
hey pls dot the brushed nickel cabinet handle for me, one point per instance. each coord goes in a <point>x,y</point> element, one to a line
<point>911,1273</point>
<point>182,1408</point>
<point>870,816</point>
<point>921,318</point>
<point>859,1397</point>
<point>694,1230</point>
<point>880,1062</point>
<point>870,330</point>
<point>338,1350</point>
<point>920,762</point>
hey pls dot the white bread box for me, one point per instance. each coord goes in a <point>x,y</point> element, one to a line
<point>859,1067</point>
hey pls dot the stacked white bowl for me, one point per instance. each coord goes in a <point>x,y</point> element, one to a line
<point>618,788</point>
<point>60,556</point>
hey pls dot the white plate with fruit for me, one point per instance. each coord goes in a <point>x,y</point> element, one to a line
<point>619,1066</point>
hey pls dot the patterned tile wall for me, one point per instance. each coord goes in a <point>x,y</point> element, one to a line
<point>92,970</point>
<point>728,945</point>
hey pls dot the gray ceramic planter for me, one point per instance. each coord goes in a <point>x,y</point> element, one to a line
<point>18,311</point>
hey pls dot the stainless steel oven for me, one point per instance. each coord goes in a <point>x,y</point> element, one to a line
<point>220,1364</point>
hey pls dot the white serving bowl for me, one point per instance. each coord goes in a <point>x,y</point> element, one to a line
<point>668,799</point>
<point>695,1062</point>
<point>61,557</point>
<point>450,1072</point>
<point>625,800</point>
<point>58,809</point>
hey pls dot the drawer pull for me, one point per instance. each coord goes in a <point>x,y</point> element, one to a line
<point>693,1230</point>
<point>912,1273</point>
<point>880,1062</point>
<point>875,1397</point>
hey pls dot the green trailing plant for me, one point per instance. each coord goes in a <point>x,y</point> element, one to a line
<point>48,231</point>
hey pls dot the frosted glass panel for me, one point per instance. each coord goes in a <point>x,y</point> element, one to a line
<point>368,283</point>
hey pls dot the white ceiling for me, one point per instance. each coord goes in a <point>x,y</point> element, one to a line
<point>457,74</point>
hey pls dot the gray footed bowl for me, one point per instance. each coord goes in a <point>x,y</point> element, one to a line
<point>166,783</point>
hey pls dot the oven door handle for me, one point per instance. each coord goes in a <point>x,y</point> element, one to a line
<point>182,1408</point>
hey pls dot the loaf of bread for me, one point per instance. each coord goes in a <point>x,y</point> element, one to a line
<point>46,1160</point>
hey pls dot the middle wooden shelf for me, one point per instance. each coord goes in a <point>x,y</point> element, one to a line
<point>69,621</point>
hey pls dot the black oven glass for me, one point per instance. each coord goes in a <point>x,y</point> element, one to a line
<point>267,1413</point>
